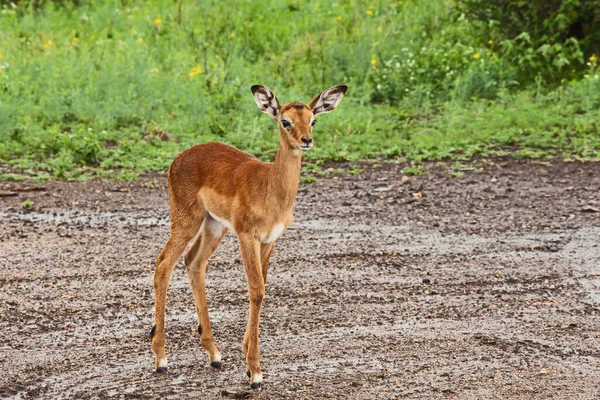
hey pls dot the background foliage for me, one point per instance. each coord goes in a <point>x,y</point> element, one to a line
<point>545,39</point>
<point>90,87</point>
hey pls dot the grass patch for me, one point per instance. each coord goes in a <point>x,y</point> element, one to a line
<point>308,179</point>
<point>84,89</point>
<point>27,205</point>
<point>355,170</point>
<point>413,170</point>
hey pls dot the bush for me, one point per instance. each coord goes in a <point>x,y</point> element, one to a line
<point>437,74</point>
<point>548,40</point>
<point>450,67</point>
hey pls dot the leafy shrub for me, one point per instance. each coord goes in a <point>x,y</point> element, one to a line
<point>448,67</point>
<point>545,39</point>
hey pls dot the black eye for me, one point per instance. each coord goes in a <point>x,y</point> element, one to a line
<point>285,123</point>
<point>313,122</point>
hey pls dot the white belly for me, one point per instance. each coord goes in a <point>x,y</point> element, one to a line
<point>212,227</point>
<point>268,237</point>
<point>223,222</point>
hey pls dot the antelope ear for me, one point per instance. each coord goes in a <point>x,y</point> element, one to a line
<point>328,100</point>
<point>266,100</point>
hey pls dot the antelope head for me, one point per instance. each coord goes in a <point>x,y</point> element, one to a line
<point>296,120</point>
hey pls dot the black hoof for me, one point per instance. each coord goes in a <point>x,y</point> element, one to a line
<point>255,385</point>
<point>161,370</point>
<point>248,374</point>
<point>216,364</point>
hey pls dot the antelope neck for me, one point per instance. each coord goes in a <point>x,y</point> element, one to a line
<point>285,175</point>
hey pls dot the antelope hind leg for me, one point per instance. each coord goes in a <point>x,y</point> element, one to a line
<point>211,233</point>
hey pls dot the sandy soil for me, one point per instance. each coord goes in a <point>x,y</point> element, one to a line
<point>432,287</point>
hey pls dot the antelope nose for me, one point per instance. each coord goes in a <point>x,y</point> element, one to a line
<point>307,140</point>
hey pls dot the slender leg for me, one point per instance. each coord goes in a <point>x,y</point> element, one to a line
<point>165,262</point>
<point>211,233</point>
<point>250,248</point>
<point>265,254</point>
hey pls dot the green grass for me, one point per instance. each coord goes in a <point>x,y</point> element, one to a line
<point>80,86</point>
<point>27,205</point>
<point>410,171</point>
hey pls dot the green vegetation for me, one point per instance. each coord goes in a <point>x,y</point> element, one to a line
<point>409,171</point>
<point>548,39</point>
<point>92,88</point>
<point>27,205</point>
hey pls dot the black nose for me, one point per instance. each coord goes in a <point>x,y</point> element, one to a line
<point>307,140</point>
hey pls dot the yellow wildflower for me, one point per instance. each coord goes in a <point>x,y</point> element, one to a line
<point>339,18</point>
<point>592,58</point>
<point>379,30</point>
<point>476,56</point>
<point>140,40</point>
<point>374,63</point>
<point>232,34</point>
<point>46,45</point>
<point>369,12</point>
<point>158,21</point>
<point>490,41</point>
<point>154,70</point>
<point>195,71</point>
<point>75,42</point>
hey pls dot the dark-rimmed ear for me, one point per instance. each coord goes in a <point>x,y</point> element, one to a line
<point>328,100</point>
<point>266,100</point>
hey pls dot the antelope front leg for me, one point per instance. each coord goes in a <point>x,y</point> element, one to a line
<point>250,248</point>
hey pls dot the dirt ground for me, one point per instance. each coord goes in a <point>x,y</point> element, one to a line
<point>483,286</point>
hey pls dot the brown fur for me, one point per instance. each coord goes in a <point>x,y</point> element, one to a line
<point>214,181</point>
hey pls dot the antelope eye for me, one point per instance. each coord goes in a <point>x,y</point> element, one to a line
<point>313,122</point>
<point>285,123</point>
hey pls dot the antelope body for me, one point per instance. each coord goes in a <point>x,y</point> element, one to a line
<point>214,188</point>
